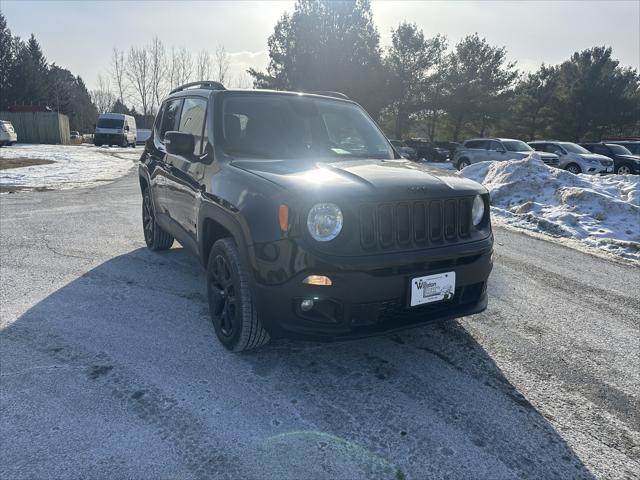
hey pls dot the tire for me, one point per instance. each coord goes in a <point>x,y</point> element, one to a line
<point>623,169</point>
<point>154,236</point>
<point>462,163</point>
<point>573,168</point>
<point>231,307</point>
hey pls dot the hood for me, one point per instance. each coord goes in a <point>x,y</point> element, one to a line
<point>594,156</point>
<point>383,179</point>
<point>633,158</point>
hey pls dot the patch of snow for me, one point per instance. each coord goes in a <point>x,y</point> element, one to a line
<point>74,165</point>
<point>601,212</point>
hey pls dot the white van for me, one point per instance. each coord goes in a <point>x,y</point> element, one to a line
<point>115,129</point>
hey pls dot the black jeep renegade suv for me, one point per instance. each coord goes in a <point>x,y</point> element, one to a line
<point>308,221</point>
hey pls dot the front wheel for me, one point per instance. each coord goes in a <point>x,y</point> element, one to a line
<point>154,236</point>
<point>574,168</point>
<point>231,305</point>
<point>623,169</point>
<point>462,163</point>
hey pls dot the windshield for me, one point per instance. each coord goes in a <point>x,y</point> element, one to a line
<point>288,126</point>
<point>573,148</point>
<point>110,122</point>
<point>618,149</point>
<point>516,146</point>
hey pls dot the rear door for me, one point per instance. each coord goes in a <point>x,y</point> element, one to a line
<point>476,150</point>
<point>186,172</point>
<point>167,120</point>
<point>495,151</point>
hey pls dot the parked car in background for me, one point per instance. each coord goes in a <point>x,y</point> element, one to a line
<point>115,129</point>
<point>8,135</point>
<point>75,137</point>
<point>428,150</point>
<point>632,145</point>
<point>574,158</point>
<point>624,162</point>
<point>450,147</point>
<point>496,150</point>
<point>404,150</point>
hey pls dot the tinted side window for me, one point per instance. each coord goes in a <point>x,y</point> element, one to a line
<point>170,117</point>
<point>601,149</point>
<point>192,120</point>
<point>493,145</point>
<point>476,144</point>
<point>552,148</point>
<point>156,124</point>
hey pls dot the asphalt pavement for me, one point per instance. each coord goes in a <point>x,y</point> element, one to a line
<point>109,367</point>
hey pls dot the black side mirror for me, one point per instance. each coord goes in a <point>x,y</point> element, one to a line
<point>179,143</point>
<point>126,128</point>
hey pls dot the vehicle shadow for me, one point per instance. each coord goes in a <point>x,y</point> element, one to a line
<point>119,373</point>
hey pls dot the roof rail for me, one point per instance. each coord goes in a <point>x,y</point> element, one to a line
<point>208,84</point>
<point>330,94</point>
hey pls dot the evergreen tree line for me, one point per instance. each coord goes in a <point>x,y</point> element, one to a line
<point>419,86</point>
<point>27,78</point>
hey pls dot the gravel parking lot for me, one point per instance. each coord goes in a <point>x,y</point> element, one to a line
<point>110,367</point>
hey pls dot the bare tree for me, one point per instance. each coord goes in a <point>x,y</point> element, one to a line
<point>117,72</point>
<point>242,80</point>
<point>139,72</point>
<point>223,62</point>
<point>174,68</point>
<point>203,65</point>
<point>158,61</point>
<point>186,65</point>
<point>102,97</point>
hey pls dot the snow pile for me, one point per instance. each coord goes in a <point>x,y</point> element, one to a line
<point>75,165</point>
<point>600,212</point>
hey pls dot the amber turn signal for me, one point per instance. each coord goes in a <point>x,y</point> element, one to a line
<point>283,217</point>
<point>317,280</point>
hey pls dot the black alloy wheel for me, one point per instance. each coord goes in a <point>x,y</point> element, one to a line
<point>222,296</point>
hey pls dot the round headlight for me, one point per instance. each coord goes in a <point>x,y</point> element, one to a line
<point>324,221</point>
<point>477,212</point>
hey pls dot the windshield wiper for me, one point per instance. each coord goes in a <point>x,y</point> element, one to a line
<point>248,153</point>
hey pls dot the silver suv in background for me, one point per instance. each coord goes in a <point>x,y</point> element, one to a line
<point>496,149</point>
<point>574,158</point>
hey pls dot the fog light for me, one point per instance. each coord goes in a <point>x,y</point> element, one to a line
<point>306,305</point>
<point>317,280</point>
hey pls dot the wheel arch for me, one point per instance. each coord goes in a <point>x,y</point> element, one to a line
<point>215,223</point>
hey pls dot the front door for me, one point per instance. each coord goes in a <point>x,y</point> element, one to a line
<point>186,172</point>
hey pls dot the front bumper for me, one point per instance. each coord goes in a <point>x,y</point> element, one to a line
<point>373,300</point>
<point>108,138</point>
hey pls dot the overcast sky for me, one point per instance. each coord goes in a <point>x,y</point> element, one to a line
<point>80,35</point>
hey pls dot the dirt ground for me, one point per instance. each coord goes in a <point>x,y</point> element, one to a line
<point>6,163</point>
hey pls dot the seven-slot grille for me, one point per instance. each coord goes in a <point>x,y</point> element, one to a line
<point>406,225</point>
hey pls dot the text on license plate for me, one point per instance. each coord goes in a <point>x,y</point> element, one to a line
<point>433,288</point>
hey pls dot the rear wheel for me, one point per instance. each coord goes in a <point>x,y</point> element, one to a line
<point>231,305</point>
<point>463,162</point>
<point>573,168</point>
<point>154,236</point>
<point>623,169</point>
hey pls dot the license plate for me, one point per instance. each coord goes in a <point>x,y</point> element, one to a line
<point>433,288</point>
<point>609,169</point>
